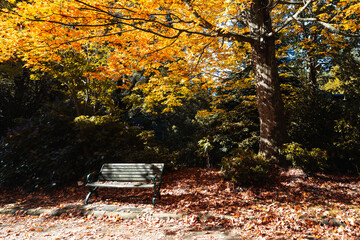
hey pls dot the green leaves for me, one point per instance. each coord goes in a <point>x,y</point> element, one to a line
<point>313,160</point>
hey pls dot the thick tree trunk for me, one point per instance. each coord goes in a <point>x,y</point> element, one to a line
<point>270,104</point>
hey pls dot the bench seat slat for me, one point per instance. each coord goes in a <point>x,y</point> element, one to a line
<point>132,169</point>
<point>122,174</point>
<point>131,165</point>
<point>128,179</point>
<point>131,172</point>
<point>120,185</point>
<point>126,176</point>
<point>135,167</point>
<point>129,176</point>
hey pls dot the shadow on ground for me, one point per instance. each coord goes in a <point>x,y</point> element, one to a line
<point>201,190</point>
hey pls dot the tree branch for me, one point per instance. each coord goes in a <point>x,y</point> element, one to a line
<point>158,50</point>
<point>290,2</point>
<point>219,32</point>
<point>328,26</point>
<point>293,17</point>
<point>55,46</point>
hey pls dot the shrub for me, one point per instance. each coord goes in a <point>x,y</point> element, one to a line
<point>104,139</point>
<point>40,153</point>
<point>246,168</point>
<point>222,132</point>
<point>345,150</point>
<point>314,160</point>
<point>54,150</point>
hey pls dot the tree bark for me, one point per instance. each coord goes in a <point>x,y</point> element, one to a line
<point>270,105</point>
<point>312,73</point>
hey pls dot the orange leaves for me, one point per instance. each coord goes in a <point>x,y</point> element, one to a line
<point>70,24</point>
<point>211,207</point>
<point>36,229</point>
<point>188,38</point>
<point>353,10</point>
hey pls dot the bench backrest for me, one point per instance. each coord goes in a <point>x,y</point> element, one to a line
<point>131,172</point>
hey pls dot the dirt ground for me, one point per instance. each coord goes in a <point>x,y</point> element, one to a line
<point>30,227</point>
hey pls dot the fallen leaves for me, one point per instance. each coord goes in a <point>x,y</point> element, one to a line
<point>299,207</point>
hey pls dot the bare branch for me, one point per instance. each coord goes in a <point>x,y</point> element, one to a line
<point>291,2</point>
<point>293,17</point>
<point>328,26</point>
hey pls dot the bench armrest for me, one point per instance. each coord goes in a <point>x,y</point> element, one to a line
<point>92,177</point>
<point>155,178</point>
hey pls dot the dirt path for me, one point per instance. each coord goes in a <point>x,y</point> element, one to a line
<point>44,227</point>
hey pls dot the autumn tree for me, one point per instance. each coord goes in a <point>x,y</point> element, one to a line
<point>199,42</point>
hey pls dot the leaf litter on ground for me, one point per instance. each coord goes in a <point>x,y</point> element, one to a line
<point>300,206</point>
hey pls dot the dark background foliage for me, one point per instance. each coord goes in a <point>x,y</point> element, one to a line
<point>45,143</point>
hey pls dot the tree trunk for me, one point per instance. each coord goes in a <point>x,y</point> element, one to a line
<point>312,73</point>
<point>270,104</point>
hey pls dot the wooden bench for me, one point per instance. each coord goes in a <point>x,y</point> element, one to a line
<point>126,175</point>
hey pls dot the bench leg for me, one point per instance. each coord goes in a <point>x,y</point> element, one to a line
<point>89,194</point>
<point>154,200</point>
<point>156,195</point>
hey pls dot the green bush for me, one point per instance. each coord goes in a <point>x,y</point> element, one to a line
<point>104,139</point>
<point>314,160</point>
<point>345,150</point>
<point>222,132</point>
<point>311,117</point>
<point>246,168</point>
<point>53,149</point>
<point>46,152</point>
<point>40,153</point>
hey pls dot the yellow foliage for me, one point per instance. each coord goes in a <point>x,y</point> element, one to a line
<point>334,86</point>
<point>194,40</point>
